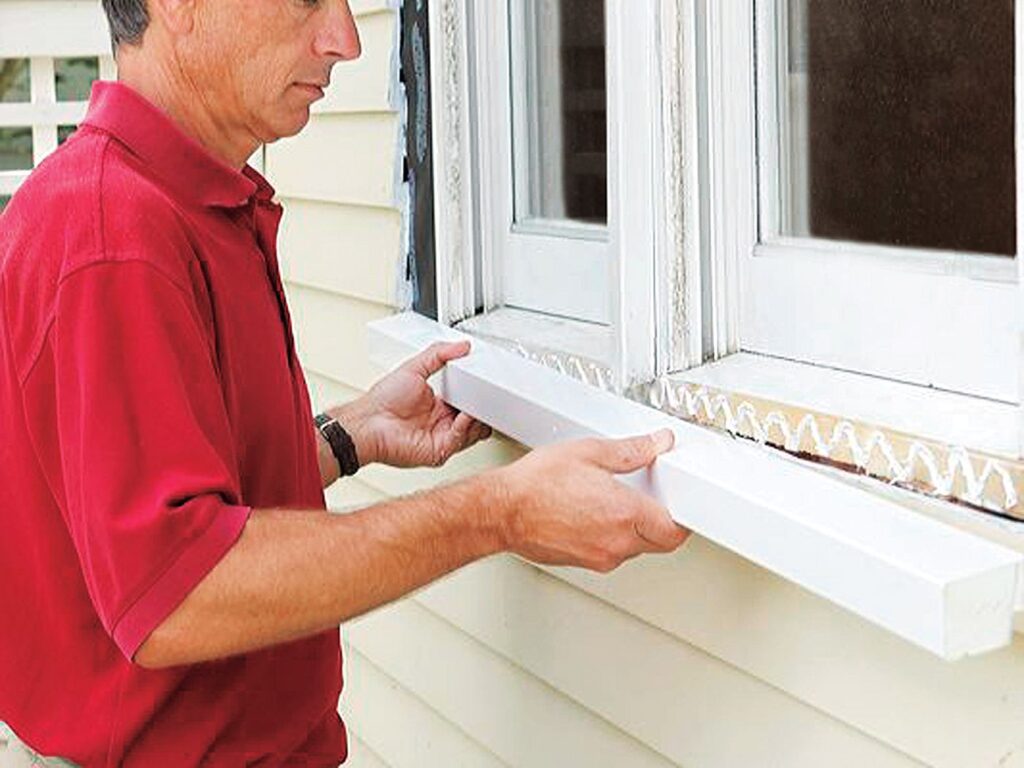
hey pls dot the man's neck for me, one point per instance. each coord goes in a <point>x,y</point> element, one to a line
<point>165,85</point>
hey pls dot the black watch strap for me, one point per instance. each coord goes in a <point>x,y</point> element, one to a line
<point>342,447</point>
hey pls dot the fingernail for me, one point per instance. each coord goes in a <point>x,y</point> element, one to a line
<point>664,439</point>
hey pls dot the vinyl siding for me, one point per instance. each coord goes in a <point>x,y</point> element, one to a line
<point>695,659</point>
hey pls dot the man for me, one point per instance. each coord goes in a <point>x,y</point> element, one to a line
<point>172,583</point>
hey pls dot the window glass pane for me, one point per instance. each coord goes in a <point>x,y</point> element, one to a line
<point>560,110</point>
<point>898,123</point>
<point>75,77</point>
<point>15,81</point>
<point>64,131</point>
<point>15,149</point>
<point>4,200</point>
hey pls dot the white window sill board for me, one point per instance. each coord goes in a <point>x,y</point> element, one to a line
<point>944,589</point>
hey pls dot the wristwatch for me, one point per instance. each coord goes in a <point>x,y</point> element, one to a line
<point>342,447</point>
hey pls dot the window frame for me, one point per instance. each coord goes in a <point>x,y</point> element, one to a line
<point>778,296</point>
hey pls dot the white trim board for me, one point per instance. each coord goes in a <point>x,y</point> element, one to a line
<point>942,589</point>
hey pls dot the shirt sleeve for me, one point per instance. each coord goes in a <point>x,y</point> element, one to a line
<point>150,471</point>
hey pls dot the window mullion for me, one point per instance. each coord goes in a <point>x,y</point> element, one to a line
<point>1019,130</point>
<point>728,163</point>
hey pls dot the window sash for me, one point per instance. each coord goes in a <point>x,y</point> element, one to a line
<point>561,269</point>
<point>941,319</point>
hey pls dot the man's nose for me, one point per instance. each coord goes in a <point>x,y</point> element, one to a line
<point>339,37</point>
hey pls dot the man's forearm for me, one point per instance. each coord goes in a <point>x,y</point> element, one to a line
<point>294,573</point>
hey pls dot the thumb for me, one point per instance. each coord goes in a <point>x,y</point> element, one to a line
<point>631,453</point>
<point>436,356</point>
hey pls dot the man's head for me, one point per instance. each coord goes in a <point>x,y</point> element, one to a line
<point>254,65</point>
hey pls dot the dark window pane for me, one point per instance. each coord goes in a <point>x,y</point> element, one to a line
<point>4,200</point>
<point>64,131</point>
<point>75,77</point>
<point>15,149</point>
<point>563,154</point>
<point>15,83</point>
<point>907,115</point>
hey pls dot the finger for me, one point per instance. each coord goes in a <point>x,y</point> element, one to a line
<point>458,432</point>
<point>477,431</point>
<point>658,528</point>
<point>436,356</point>
<point>631,453</point>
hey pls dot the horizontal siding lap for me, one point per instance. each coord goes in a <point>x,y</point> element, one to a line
<point>348,158</point>
<point>346,249</point>
<point>325,392</point>
<point>400,728</point>
<point>330,334</point>
<point>350,493</point>
<point>966,713</point>
<point>360,755</point>
<point>511,713</point>
<point>689,706</point>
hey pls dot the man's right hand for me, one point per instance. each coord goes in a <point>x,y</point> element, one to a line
<point>565,506</point>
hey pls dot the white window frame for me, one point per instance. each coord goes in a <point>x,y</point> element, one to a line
<point>605,288</point>
<point>43,31</point>
<point>941,319</point>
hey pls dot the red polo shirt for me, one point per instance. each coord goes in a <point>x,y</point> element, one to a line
<point>150,398</point>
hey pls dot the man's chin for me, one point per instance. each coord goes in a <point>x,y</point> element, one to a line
<point>290,125</point>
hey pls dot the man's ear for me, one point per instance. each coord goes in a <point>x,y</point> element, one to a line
<point>177,16</point>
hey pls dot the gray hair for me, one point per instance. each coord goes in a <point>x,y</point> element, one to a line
<point>128,20</point>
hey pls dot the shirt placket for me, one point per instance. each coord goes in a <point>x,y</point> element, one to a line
<point>266,221</point>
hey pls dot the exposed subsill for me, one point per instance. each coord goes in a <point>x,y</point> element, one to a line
<point>976,423</point>
<point>539,332</point>
<point>941,588</point>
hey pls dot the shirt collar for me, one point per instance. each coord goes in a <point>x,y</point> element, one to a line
<point>180,162</point>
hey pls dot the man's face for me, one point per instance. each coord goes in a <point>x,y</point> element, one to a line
<point>260,64</point>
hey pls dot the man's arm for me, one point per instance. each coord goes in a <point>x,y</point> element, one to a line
<point>295,573</point>
<point>292,574</point>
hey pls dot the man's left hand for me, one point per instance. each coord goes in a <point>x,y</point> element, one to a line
<point>401,422</point>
